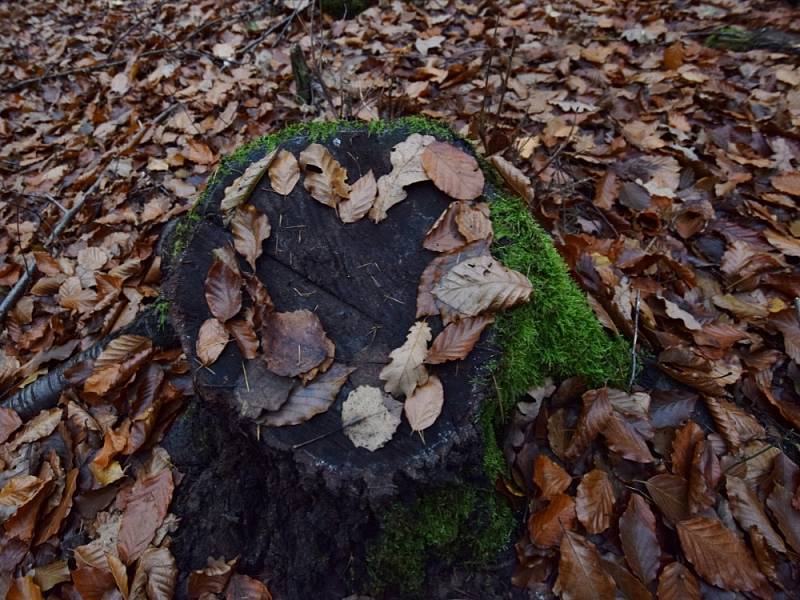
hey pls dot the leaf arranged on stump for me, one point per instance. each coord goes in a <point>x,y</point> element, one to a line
<point>244,335</point>
<point>473,222</point>
<point>406,159</point>
<point>478,284</point>
<point>307,401</point>
<point>259,389</point>
<point>678,583</point>
<point>453,171</point>
<point>444,236</point>
<point>594,502</point>
<point>405,370</point>
<point>361,199</point>
<point>550,477</point>
<point>284,173</point>
<point>329,185</point>
<point>239,191</point>
<point>249,228</point>
<point>294,342</point>
<point>223,289</point>
<point>457,340</point>
<point>438,268</point>
<point>580,571</point>
<point>211,341</point>
<point>211,580</point>
<point>424,406</point>
<point>370,417</point>
<point>637,532</point>
<point>547,526</point>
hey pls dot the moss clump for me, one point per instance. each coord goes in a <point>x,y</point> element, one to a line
<point>161,307</point>
<point>183,230</point>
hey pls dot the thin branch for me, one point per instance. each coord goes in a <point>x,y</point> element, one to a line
<point>635,338</point>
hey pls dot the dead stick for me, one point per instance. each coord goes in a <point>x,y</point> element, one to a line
<point>635,338</point>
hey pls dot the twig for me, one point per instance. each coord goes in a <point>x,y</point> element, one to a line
<point>282,23</point>
<point>558,151</point>
<point>506,75</point>
<point>635,337</point>
<point>344,426</point>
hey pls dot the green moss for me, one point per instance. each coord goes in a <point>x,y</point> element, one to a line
<point>162,308</point>
<point>733,38</point>
<point>183,229</point>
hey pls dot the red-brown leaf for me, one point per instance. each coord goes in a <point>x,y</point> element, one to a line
<point>678,583</point>
<point>580,571</point>
<point>787,516</point>
<point>245,337</point>
<point>551,478</point>
<point>671,495</point>
<point>749,511</point>
<point>637,531</point>
<point>223,290</point>
<point>596,413</point>
<point>547,526</point>
<point>683,447</point>
<point>457,340</point>
<point>242,587</point>
<point>594,503</point>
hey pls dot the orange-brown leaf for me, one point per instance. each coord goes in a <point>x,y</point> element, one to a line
<point>594,502</point>
<point>444,236</point>
<point>546,527</point>
<point>245,337</point>
<point>683,447</point>
<point>551,478</point>
<point>211,341</point>
<point>671,495</point>
<point>223,289</point>
<point>514,178</point>
<point>678,583</point>
<point>457,340</point>
<point>361,199</point>
<point>453,171</point>
<point>250,228</point>
<point>788,183</point>
<point>596,413</point>
<point>284,172</point>
<point>580,571</point>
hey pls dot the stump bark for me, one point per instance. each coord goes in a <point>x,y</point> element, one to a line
<point>299,503</point>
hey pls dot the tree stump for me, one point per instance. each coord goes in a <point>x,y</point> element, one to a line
<point>321,494</point>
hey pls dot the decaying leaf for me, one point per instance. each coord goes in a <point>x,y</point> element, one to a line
<point>480,284</point>
<point>294,342</point>
<point>406,159</point>
<point>580,571</point>
<point>550,477</point>
<point>453,171</point>
<point>329,184</point>
<point>211,580</point>
<point>260,389</point>
<point>637,532</point>
<point>156,575</point>
<point>595,414</point>
<point>245,337</point>
<point>239,191</point>
<point>677,583</point>
<point>749,511</point>
<point>457,340</point>
<point>547,526</point>
<point>223,289</point>
<point>405,370</point>
<point>438,268</point>
<point>361,199</point>
<point>594,502</point>
<point>370,417</point>
<point>211,341</point>
<point>250,228</point>
<point>473,222</point>
<point>306,401</point>
<point>284,172</point>
<point>424,406</point>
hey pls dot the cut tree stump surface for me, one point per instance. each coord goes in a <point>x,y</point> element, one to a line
<point>361,280</point>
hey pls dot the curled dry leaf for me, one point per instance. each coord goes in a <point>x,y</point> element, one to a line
<point>370,417</point>
<point>239,191</point>
<point>514,178</point>
<point>547,526</point>
<point>719,555</point>
<point>250,228</point>
<point>314,398</point>
<point>637,532</point>
<point>242,587</point>
<point>424,406</point>
<point>211,580</point>
<point>550,477</point>
<point>478,284</point>
<point>595,414</point>
<point>211,341</point>
<point>284,172</point>
<point>406,159</point>
<point>223,290</point>
<point>155,576</point>
<point>453,171</point>
<point>245,337</point>
<point>329,186</point>
<point>594,502</point>
<point>444,236</point>
<point>457,340</point>
<point>580,571</point>
<point>362,197</point>
<point>294,342</point>
<point>405,370</point>
<point>677,583</point>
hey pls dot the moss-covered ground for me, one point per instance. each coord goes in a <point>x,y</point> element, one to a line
<point>555,334</point>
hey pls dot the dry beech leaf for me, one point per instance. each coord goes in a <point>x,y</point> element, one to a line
<point>704,475</point>
<point>211,580</point>
<point>242,587</point>
<point>719,555</point>
<point>482,283</point>
<point>457,340</point>
<point>473,222</point>
<point>260,389</point>
<point>245,337</point>
<point>249,228</point>
<point>211,341</point>
<point>284,172</point>
<point>438,268</point>
<point>683,447</point>
<point>223,290</point>
<point>362,197</point>
<point>637,532</point>
<point>789,183</point>
<point>734,424</point>
<point>749,512</point>
<point>314,398</point>
<point>594,502</point>
<point>424,406</point>
<point>370,417</point>
<point>294,342</point>
<point>453,171</point>
<point>9,423</point>
<point>550,477</point>
<point>443,236</point>
<point>580,571</point>
<point>328,186</point>
<point>405,370</point>
<point>677,583</point>
<point>780,503</point>
<point>239,191</point>
<point>156,575</point>
<point>17,493</point>
<point>595,414</point>
<point>406,159</point>
<point>625,439</point>
<point>671,495</point>
<point>93,583</point>
<point>516,179</point>
<point>52,523</point>
<point>628,585</point>
<point>547,526</point>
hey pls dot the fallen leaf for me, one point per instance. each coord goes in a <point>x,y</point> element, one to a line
<point>294,342</point>
<point>673,56</point>
<point>438,268</point>
<point>249,228</point>
<point>211,341</point>
<point>480,284</point>
<point>406,159</point>
<point>473,222</point>
<point>156,575</point>
<point>444,236</point>
<point>329,186</point>
<point>17,493</point>
<point>594,502</point>
<point>239,191</point>
<point>749,512</point>
<point>52,522</point>
<point>245,337</point>
<point>212,580</point>
<point>242,587</point>
<point>515,178</point>
<point>223,290</point>
<point>405,370</point>
<point>637,532</point>
<point>9,423</point>
<point>424,405</point>
<point>370,417</point>
<point>595,414</point>
<point>362,197</point>
<point>671,495</point>
<point>260,389</point>
<point>677,583</point>
<point>580,571</point>
<point>686,438</point>
<point>547,526</point>
<point>457,340</point>
<point>788,183</point>
<point>197,151</point>
<point>787,516</point>
<point>550,477</point>
<point>284,172</point>
<point>453,171</point>
<point>704,475</point>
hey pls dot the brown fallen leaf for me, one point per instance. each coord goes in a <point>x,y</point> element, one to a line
<point>671,495</point>
<point>683,447</point>
<point>637,532</point>
<point>249,228</point>
<point>17,492</point>
<point>627,583</point>
<point>514,178</point>
<point>444,236</point>
<point>93,583</point>
<point>457,340</point>
<point>223,290</point>
<point>284,172</point>
<point>52,522</point>
<point>259,389</point>
<point>239,191</point>
<point>329,185</point>
<point>453,171</point>
<point>9,423</point>
<point>550,477</point>
<point>595,414</point>
<point>473,222</point>
<point>788,183</point>
<point>547,526</point>
<point>245,337</point>
<point>677,583</point>
<point>361,199</point>
<point>294,342</point>
<point>594,502</point>
<point>424,406</point>
<point>704,474</point>
<point>438,268</point>
<point>405,370</point>
<point>370,417</point>
<point>580,571</point>
<point>211,341</point>
<point>242,587</point>
<point>155,577</point>
<point>212,580</point>
<point>780,503</point>
<point>749,512</point>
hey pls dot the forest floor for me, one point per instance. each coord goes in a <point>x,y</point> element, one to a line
<point>664,160</point>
